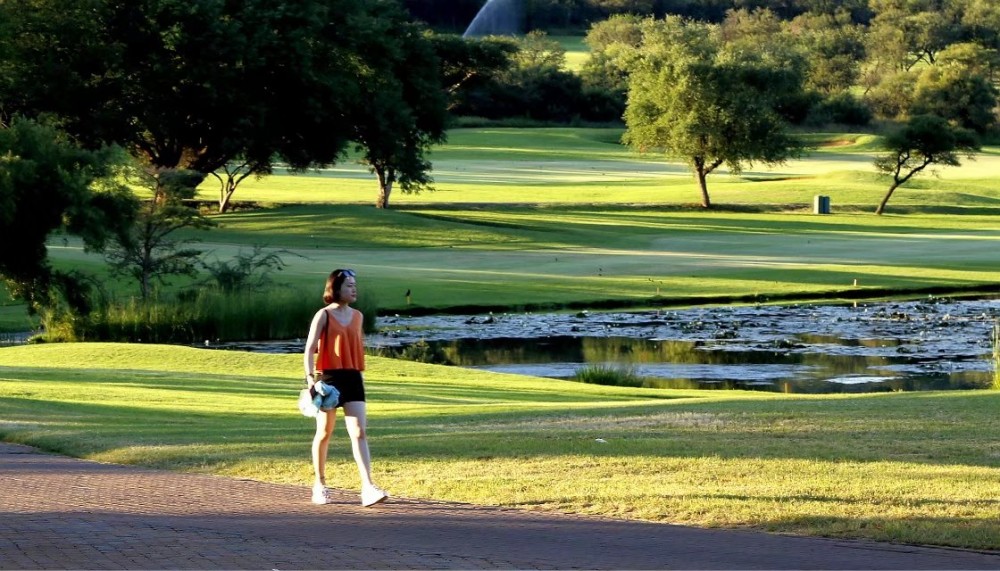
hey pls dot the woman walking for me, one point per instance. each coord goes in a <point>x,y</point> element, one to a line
<point>336,343</point>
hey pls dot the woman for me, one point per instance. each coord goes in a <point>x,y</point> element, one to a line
<point>336,335</point>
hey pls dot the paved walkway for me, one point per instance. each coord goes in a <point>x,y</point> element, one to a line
<point>63,513</point>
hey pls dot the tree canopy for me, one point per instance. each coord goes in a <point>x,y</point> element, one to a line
<point>201,85</point>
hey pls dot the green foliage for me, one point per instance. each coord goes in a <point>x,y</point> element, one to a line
<point>47,183</point>
<point>841,109</point>
<point>246,271</point>
<point>470,65</point>
<point>200,85</point>
<point>204,315</point>
<point>422,352</point>
<point>537,86</point>
<point>959,94</point>
<point>616,376</point>
<point>402,108</point>
<point>150,251</point>
<point>834,48</point>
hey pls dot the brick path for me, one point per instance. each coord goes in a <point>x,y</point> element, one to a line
<point>63,513</point>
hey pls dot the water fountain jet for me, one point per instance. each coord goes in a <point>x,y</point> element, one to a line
<point>496,18</point>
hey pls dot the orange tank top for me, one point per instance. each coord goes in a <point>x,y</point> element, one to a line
<point>340,346</point>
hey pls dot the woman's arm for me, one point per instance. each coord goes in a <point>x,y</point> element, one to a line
<point>312,340</point>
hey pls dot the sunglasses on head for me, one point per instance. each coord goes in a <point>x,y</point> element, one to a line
<point>346,273</point>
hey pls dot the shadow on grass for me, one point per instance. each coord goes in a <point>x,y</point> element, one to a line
<point>895,427</point>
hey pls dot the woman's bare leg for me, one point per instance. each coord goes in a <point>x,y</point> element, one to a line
<point>355,419</point>
<point>325,421</point>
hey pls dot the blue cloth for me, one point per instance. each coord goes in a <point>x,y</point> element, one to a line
<point>327,396</point>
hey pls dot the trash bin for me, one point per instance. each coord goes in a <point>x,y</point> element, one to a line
<point>821,204</point>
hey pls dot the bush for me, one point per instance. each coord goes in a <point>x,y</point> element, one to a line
<point>212,315</point>
<point>840,109</point>
<point>613,375</point>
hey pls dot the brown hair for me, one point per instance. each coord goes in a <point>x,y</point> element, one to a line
<point>333,283</point>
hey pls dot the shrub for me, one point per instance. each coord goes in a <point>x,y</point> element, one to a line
<point>840,109</point>
<point>996,354</point>
<point>613,375</point>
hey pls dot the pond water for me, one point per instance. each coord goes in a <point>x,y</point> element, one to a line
<point>931,344</point>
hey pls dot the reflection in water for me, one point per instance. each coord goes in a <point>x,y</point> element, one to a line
<point>698,365</point>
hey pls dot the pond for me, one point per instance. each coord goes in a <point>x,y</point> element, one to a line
<point>935,343</point>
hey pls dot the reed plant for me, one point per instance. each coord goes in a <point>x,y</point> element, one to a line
<point>996,354</point>
<point>609,375</point>
<point>212,315</point>
<point>207,314</point>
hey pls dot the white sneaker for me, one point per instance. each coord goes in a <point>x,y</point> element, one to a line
<point>321,495</point>
<point>371,495</point>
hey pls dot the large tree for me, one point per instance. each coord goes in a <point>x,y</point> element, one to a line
<point>403,108</point>
<point>833,46</point>
<point>470,64</point>
<point>694,100</point>
<point>195,85</point>
<point>923,141</point>
<point>49,184</point>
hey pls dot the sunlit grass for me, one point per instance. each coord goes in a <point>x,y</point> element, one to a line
<point>499,166</point>
<point>915,468</point>
<point>577,51</point>
<point>552,216</point>
<point>521,256</point>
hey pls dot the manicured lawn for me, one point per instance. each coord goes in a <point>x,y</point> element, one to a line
<point>916,468</point>
<point>557,216</point>
<point>564,215</point>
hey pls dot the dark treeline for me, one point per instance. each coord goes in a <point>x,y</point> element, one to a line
<point>570,15</point>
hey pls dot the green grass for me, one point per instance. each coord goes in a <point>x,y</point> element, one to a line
<point>549,217</point>
<point>577,52</point>
<point>916,468</point>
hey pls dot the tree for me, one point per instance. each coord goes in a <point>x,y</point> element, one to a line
<point>904,33</point>
<point>833,46</point>
<point>469,64</point>
<point>958,94</point>
<point>923,141</point>
<point>197,85</point>
<point>402,111</point>
<point>614,45</point>
<point>697,102</point>
<point>247,271</point>
<point>149,251</point>
<point>48,184</point>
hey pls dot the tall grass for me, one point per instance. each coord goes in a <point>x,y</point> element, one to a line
<point>205,315</point>
<point>996,354</point>
<point>609,375</point>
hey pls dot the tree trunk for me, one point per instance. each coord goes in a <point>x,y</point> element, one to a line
<point>703,186</point>
<point>898,181</point>
<point>885,199</point>
<point>227,186</point>
<point>226,194</point>
<point>385,179</point>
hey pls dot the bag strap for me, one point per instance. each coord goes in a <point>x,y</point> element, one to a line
<point>322,332</point>
<point>326,325</point>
